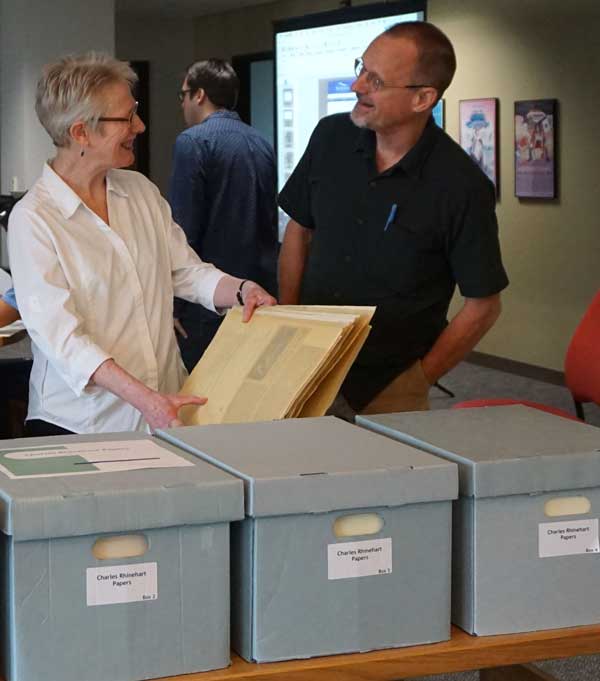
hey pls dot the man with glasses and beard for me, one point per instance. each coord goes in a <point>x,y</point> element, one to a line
<point>387,210</point>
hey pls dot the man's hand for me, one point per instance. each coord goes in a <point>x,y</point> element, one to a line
<point>254,296</point>
<point>462,334</point>
<point>179,328</point>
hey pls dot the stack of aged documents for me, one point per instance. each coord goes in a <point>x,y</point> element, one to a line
<point>12,333</point>
<point>287,361</point>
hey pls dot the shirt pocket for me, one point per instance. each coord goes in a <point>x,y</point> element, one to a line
<point>404,256</point>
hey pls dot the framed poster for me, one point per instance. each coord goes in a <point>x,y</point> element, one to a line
<point>438,113</point>
<point>478,123</point>
<point>535,147</point>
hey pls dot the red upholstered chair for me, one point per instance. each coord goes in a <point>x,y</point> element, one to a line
<point>582,362</point>
<point>504,401</point>
<point>582,369</point>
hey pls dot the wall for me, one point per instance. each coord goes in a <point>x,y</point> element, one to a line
<point>168,44</point>
<point>515,49</point>
<point>250,29</point>
<point>528,49</point>
<point>171,44</point>
<point>33,32</point>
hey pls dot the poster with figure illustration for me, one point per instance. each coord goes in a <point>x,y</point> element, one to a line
<point>535,149</point>
<point>478,121</point>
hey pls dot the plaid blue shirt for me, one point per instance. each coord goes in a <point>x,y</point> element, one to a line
<point>223,194</point>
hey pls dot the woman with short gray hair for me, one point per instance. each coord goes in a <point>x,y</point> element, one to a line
<point>97,259</point>
<point>68,91</point>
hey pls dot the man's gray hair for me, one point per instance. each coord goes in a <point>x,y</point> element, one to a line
<point>436,60</point>
<point>70,90</point>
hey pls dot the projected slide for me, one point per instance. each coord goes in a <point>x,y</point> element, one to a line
<point>315,69</point>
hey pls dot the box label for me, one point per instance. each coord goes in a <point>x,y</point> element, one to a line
<point>359,558</point>
<point>122,584</point>
<point>568,538</point>
<point>87,457</point>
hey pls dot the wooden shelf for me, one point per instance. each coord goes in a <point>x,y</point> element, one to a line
<point>461,653</point>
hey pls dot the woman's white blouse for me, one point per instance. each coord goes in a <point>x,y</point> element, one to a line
<point>88,292</point>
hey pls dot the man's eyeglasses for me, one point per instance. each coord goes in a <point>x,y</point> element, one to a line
<point>181,95</point>
<point>121,119</point>
<point>375,82</point>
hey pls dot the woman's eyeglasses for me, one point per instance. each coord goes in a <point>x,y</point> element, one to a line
<point>121,119</point>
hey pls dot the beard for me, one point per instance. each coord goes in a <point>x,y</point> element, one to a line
<point>360,114</point>
<point>357,118</point>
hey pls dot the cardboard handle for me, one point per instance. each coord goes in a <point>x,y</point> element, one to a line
<point>564,506</point>
<point>357,525</point>
<point>120,546</point>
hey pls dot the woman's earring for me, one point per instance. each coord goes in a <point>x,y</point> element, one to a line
<point>82,151</point>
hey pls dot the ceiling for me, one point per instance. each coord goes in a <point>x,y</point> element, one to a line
<point>180,8</point>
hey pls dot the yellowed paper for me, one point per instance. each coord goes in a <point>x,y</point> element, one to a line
<point>286,361</point>
<point>320,401</point>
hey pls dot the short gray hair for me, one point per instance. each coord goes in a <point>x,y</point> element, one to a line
<point>436,60</point>
<point>69,91</point>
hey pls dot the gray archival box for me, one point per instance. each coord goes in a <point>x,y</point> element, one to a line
<point>68,615</point>
<point>521,561</point>
<point>299,589</point>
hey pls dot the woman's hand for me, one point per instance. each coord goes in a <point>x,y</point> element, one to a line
<point>254,296</point>
<point>232,291</point>
<point>162,410</point>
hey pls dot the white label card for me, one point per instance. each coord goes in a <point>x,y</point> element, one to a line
<point>359,558</point>
<point>568,538</point>
<point>122,584</point>
<point>82,458</point>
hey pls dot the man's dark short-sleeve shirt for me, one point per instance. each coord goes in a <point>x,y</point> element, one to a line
<point>406,260</point>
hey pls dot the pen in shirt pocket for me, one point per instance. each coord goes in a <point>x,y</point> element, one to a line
<point>391,216</point>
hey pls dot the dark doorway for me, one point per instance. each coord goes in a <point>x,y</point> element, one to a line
<point>255,103</point>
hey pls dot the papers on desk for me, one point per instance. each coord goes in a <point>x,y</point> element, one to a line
<point>11,329</point>
<point>287,361</point>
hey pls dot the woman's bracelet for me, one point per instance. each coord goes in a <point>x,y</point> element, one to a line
<point>238,294</point>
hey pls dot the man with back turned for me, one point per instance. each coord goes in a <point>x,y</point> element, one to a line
<point>222,193</point>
